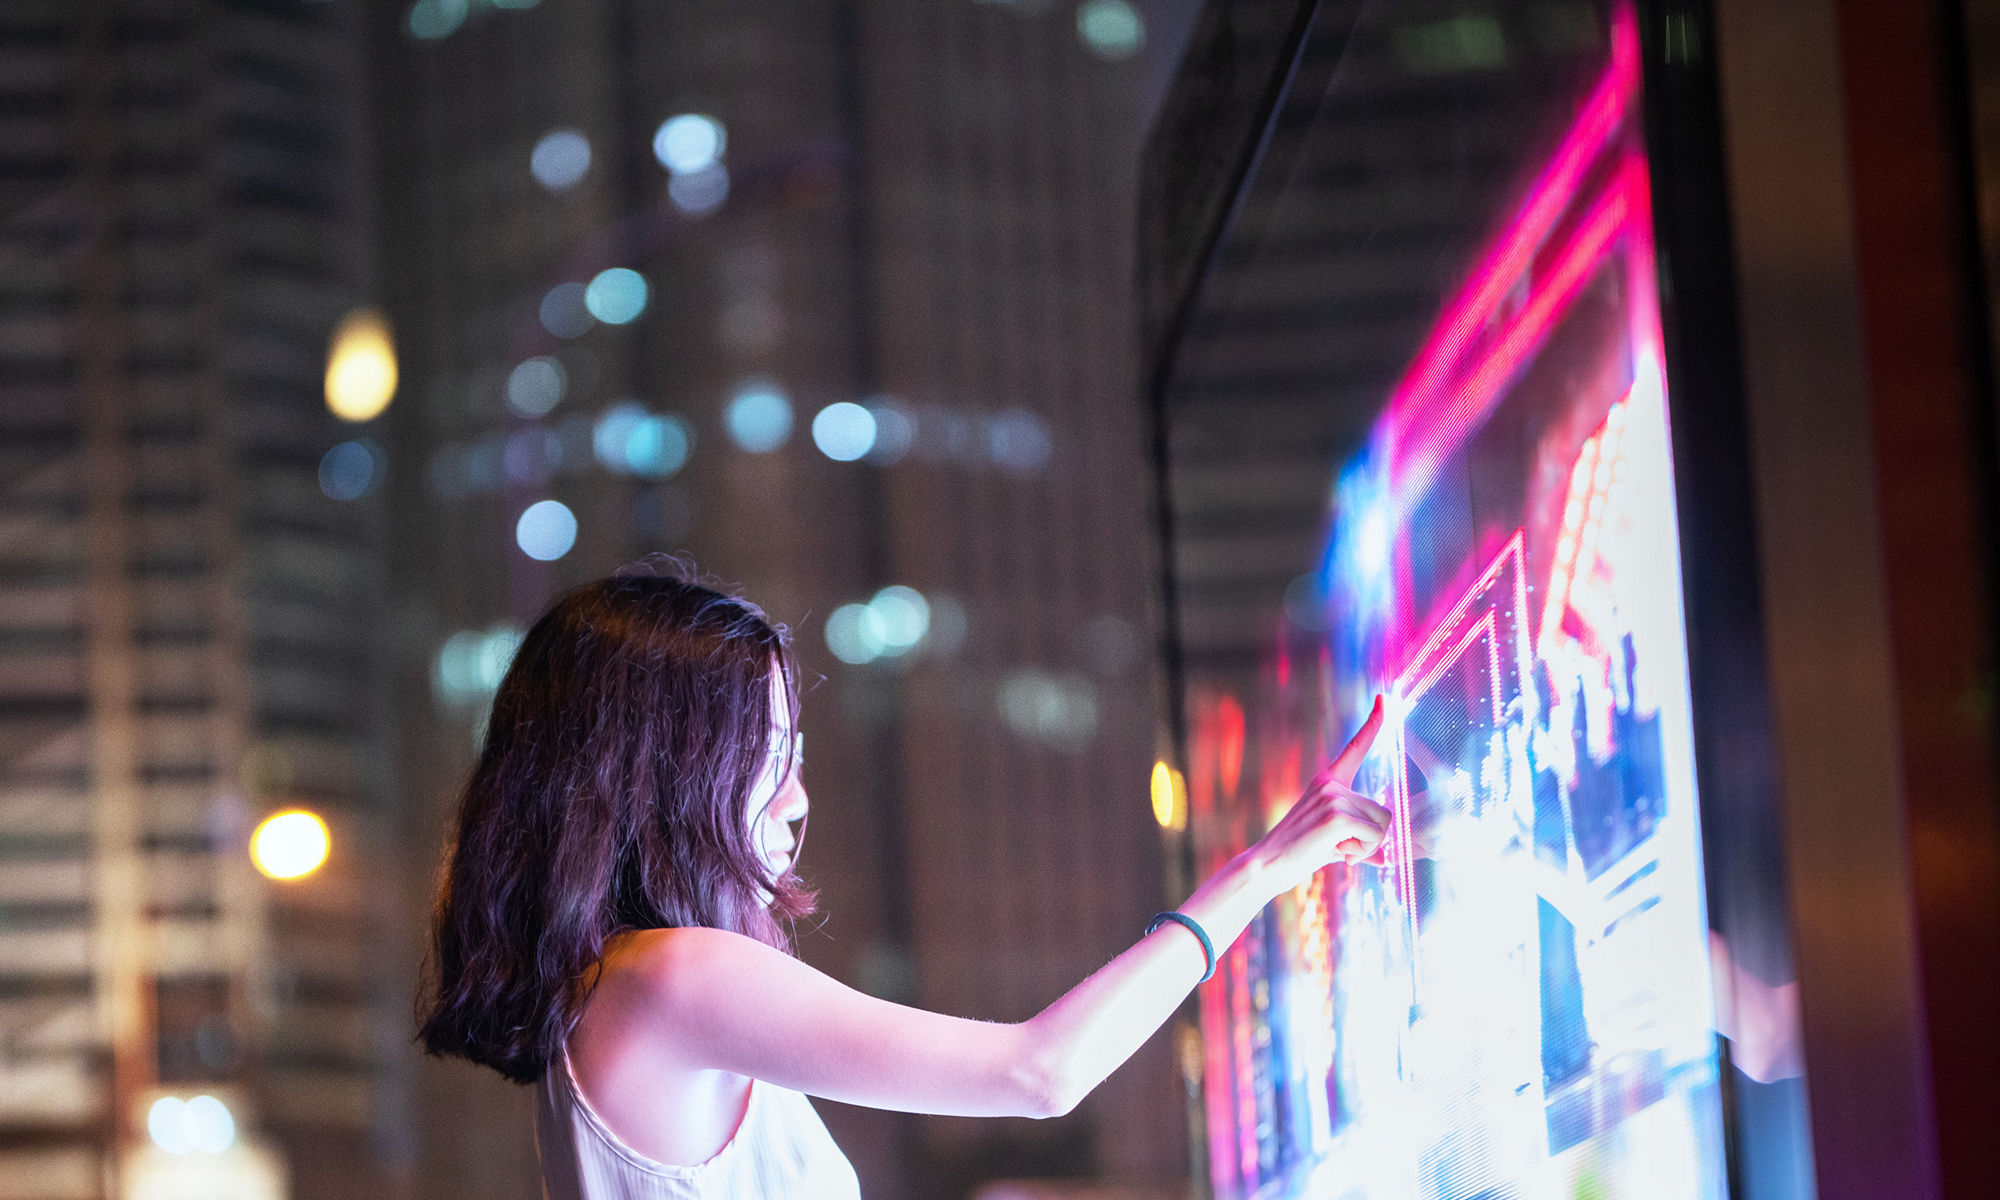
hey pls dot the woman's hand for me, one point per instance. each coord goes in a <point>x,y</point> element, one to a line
<point>1331,821</point>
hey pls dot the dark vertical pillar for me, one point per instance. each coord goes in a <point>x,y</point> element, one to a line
<point>1921,317</point>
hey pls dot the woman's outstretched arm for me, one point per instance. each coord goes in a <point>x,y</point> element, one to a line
<point>1102,1021</point>
<point>705,999</point>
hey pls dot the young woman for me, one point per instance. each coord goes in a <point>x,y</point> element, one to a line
<point>611,925</point>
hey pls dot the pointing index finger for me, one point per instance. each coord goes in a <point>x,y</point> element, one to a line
<point>1348,762</point>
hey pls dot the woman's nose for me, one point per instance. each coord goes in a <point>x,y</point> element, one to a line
<point>791,803</point>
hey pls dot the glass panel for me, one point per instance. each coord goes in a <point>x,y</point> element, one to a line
<point>1418,445</point>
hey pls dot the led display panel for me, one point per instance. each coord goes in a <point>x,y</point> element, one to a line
<point>1516,1000</point>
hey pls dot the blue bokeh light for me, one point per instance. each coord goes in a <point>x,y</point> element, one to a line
<point>759,418</point>
<point>616,295</point>
<point>565,310</point>
<point>698,193</point>
<point>560,159</point>
<point>429,20</point>
<point>1110,29</point>
<point>844,431</point>
<point>349,469</point>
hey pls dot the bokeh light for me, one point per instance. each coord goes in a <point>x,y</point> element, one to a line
<point>1056,710</point>
<point>844,431</point>
<point>536,386</point>
<point>895,432</point>
<point>616,295</point>
<point>948,625</point>
<point>546,530</point>
<point>898,618</point>
<point>290,844</point>
<point>560,160</point>
<point>846,635</point>
<point>1109,645</point>
<point>565,310</point>
<point>211,1127</point>
<point>360,366</point>
<point>653,445</point>
<point>698,193</point>
<point>759,418</point>
<point>530,455</point>
<point>689,142</point>
<point>891,624</point>
<point>1306,603</point>
<point>1018,441</point>
<point>167,1124</point>
<point>432,19</point>
<point>471,664</point>
<point>349,469</point>
<point>613,433</point>
<point>1169,794</point>
<point>1110,29</point>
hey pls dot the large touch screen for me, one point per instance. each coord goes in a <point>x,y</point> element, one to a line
<point>1516,1002</point>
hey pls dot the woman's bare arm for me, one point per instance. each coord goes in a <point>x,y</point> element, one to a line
<point>720,1001</point>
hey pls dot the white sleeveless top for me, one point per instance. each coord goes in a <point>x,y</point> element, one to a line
<point>780,1150</point>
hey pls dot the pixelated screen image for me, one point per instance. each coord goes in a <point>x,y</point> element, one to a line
<point>1517,1001</point>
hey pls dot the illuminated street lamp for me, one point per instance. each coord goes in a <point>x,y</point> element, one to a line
<point>290,845</point>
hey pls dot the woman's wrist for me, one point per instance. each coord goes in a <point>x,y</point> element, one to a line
<point>1227,901</point>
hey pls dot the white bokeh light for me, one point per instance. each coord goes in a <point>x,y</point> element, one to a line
<point>689,142</point>
<point>210,1126</point>
<point>167,1124</point>
<point>546,530</point>
<point>290,845</point>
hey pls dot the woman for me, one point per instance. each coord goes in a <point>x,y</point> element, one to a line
<point>611,925</point>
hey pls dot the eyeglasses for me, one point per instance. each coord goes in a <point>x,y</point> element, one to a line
<point>787,766</point>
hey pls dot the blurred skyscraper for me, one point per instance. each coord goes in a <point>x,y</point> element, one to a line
<point>184,611</point>
<point>835,298</point>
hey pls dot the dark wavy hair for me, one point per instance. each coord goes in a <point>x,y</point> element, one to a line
<point>609,796</point>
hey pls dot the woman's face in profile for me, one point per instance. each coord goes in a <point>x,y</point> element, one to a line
<point>778,798</point>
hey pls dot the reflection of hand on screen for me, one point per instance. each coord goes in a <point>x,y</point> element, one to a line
<point>1761,1020</point>
<point>1423,833</point>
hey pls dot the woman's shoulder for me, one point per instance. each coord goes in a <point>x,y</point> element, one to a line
<point>667,962</point>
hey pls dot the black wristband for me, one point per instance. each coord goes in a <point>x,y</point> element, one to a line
<point>1192,926</point>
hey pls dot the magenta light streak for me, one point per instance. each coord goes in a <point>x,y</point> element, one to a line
<point>1428,411</point>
